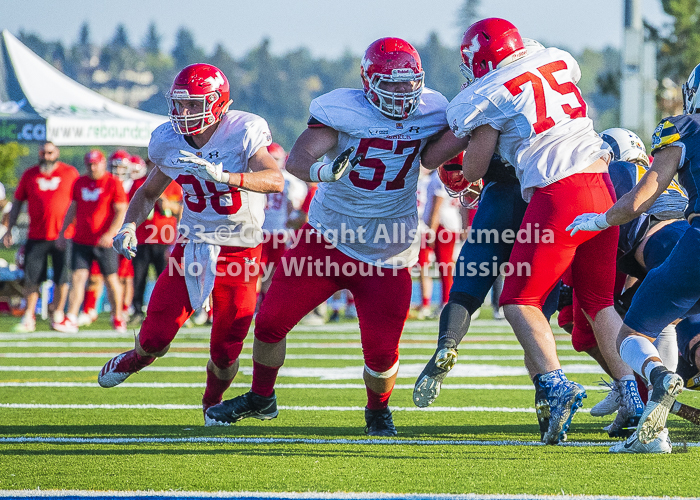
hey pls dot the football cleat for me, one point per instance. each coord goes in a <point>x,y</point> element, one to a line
<point>87,318</point>
<point>427,387</point>
<point>630,411</point>
<point>565,398</point>
<point>27,325</point>
<point>667,385</point>
<point>662,444</point>
<point>118,369</point>
<point>379,423</point>
<point>66,326</point>
<point>118,324</point>
<point>541,409</point>
<point>248,405</point>
<point>611,403</point>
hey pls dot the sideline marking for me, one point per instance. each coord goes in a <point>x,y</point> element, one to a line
<point>186,385</point>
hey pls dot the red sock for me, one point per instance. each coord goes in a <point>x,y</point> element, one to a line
<point>426,302</point>
<point>215,389</point>
<point>90,300</point>
<point>134,362</point>
<point>264,378</point>
<point>376,401</point>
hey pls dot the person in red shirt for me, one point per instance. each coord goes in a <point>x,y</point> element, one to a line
<point>155,236</point>
<point>98,206</point>
<point>46,188</point>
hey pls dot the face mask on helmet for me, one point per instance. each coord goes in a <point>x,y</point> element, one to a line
<point>489,44</point>
<point>198,99</point>
<point>625,145</point>
<point>392,77</point>
<point>120,164</point>
<point>690,91</point>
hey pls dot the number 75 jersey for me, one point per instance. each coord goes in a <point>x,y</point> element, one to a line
<point>383,185</point>
<point>542,118</point>
<point>214,212</point>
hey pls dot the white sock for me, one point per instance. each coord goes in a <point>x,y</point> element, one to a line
<point>667,346</point>
<point>635,351</point>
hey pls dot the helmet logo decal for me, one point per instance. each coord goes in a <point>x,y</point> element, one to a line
<point>216,80</point>
<point>473,48</point>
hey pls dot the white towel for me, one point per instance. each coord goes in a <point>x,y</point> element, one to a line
<point>200,282</point>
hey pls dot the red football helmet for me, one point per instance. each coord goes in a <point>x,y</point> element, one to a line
<point>278,153</point>
<point>120,164</point>
<point>93,156</point>
<point>138,167</point>
<point>489,44</point>
<point>390,61</point>
<point>457,186</point>
<point>198,98</point>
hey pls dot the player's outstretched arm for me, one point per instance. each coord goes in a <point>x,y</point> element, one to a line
<point>477,156</point>
<point>649,187</point>
<point>265,177</point>
<point>639,199</point>
<point>442,149</point>
<point>312,144</point>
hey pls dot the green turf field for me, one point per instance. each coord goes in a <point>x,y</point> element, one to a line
<point>59,430</point>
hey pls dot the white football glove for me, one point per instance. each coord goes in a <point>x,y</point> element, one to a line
<point>588,222</point>
<point>125,241</point>
<point>203,169</point>
<point>331,172</point>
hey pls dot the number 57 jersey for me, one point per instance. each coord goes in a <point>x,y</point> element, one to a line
<point>542,118</point>
<point>380,192</point>
<point>214,212</point>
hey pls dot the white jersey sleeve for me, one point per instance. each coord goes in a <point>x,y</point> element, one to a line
<point>383,185</point>
<point>545,131</point>
<point>215,212</point>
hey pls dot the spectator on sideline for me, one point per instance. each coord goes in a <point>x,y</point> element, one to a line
<point>98,207</point>
<point>46,188</point>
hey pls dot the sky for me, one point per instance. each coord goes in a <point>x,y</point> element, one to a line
<point>327,28</point>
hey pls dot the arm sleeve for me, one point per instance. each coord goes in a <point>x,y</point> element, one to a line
<point>464,117</point>
<point>257,135</point>
<point>319,115</point>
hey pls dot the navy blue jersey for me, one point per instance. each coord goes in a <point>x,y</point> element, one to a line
<point>625,176</point>
<point>683,130</point>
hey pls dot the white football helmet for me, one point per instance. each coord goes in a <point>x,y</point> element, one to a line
<point>625,145</point>
<point>532,45</point>
<point>690,91</point>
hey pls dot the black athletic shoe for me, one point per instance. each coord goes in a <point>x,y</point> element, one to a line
<point>379,423</point>
<point>248,405</point>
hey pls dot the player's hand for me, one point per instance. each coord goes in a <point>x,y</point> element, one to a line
<point>331,172</point>
<point>203,169</point>
<point>125,241</point>
<point>588,222</point>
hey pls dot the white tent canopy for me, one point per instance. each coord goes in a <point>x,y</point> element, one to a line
<point>72,114</point>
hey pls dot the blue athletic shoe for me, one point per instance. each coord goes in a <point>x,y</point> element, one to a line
<point>629,412</point>
<point>565,397</point>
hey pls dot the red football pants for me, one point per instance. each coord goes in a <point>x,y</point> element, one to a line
<point>382,296</point>
<point>549,249</point>
<point>233,304</point>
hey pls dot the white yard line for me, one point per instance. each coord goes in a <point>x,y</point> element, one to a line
<point>185,385</point>
<point>333,373</point>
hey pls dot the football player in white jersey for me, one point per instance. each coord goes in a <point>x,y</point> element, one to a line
<point>528,109</point>
<point>220,159</point>
<point>362,233</point>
